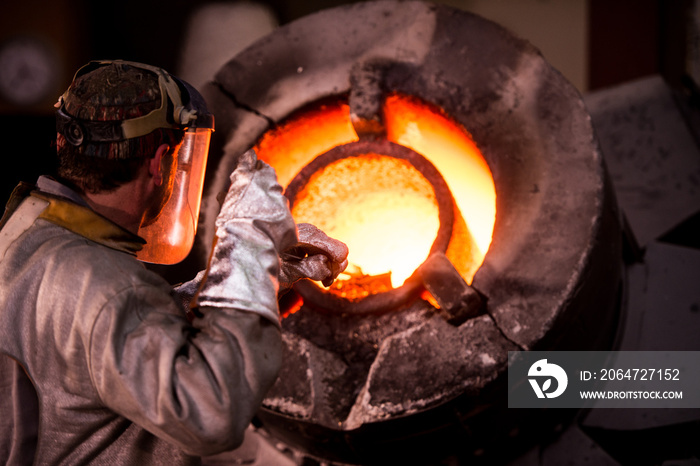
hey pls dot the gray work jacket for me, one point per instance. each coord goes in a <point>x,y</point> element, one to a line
<point>98,362</point>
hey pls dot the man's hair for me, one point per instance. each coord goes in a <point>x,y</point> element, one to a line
<point>111,93</point>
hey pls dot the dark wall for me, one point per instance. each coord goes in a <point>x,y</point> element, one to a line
<point>629,39</point>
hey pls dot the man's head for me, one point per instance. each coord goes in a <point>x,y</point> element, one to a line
<point>113,93</point>
<point>123,122</point>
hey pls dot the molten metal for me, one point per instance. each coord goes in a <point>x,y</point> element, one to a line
<point>382,207</point>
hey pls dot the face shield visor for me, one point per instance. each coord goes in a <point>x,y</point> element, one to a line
<point>170,235</point>
<point>170,229</point>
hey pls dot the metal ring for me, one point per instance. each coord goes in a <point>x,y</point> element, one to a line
<point>387,300</point>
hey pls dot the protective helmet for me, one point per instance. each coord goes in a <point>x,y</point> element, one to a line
<point>169,238</point>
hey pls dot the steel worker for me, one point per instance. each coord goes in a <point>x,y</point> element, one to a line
<point>100,361</point>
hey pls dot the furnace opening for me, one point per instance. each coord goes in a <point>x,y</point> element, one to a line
<point>381,206</point>
<point>388,203</point>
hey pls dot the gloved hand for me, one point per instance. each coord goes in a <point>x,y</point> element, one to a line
<point>252,228</point>
<point>316,256</point>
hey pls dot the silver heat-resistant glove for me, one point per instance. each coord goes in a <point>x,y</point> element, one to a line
<point>252,228</point>
<point>316,256</point>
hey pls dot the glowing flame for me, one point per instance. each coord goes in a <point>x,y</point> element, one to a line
<point>304,137</point>
<point>380,206</point>
<point>450,148</point>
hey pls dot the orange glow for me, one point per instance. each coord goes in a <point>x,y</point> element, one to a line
<point>290,304</point>
<point>380,206</point>
<point>389,226</point>
<point>449,147</point>
<point>293,145</point>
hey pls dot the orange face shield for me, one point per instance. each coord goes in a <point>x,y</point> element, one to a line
<point>170,237</point>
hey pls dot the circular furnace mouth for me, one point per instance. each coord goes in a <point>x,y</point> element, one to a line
<point>405,386</point>
<point>406,200</point>
<point>372,186</point>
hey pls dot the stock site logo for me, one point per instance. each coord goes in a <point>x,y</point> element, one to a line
<point>543,371</point>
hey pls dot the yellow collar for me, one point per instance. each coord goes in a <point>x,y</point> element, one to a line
<point>89,224</point>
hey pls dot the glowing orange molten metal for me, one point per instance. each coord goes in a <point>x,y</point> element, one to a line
<point>382,207</point>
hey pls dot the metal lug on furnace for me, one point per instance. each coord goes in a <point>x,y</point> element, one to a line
<point>457,299</point>
<point>366,99</point>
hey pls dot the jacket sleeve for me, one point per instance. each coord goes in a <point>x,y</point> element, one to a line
<point>197,386</point>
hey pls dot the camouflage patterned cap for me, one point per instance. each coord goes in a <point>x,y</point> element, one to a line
<point>110,92</point>
<point>116,91</point>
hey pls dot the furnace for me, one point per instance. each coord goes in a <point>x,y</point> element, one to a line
<point>463,172</point>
